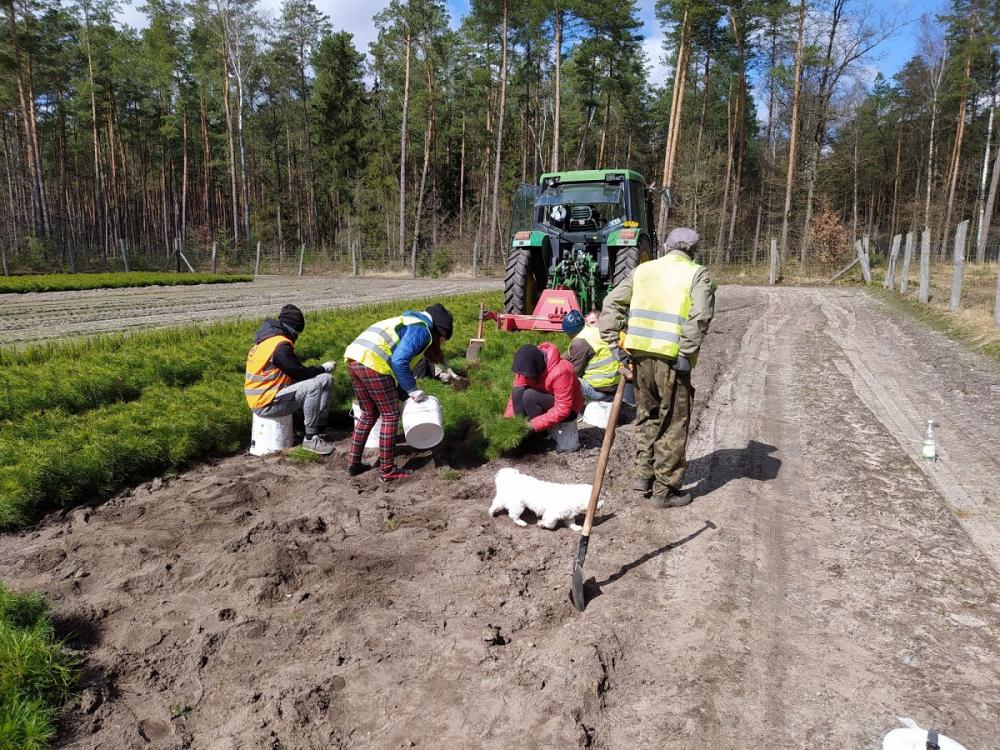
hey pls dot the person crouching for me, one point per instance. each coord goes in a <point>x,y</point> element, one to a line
<point>278,384</point>
<point>546,389</point>
<point>379,362</point>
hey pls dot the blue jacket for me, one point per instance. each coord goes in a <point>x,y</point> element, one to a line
<point>413,339</point>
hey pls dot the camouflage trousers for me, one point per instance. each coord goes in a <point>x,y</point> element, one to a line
<point>663,414</point>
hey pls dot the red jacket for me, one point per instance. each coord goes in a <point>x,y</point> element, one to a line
<point>559,380</point>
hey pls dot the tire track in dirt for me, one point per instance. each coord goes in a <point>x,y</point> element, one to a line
<point>903,392</point>
<point>40,316</point>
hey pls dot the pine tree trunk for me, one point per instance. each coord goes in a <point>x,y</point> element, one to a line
<point>956,157</point>
<point>403,134</point>
<point>701,134</point>
<point>558,92</point>
<point>461,182</point>
<point>428,136</point>
<point>792,140</point>
<point>676,105</point>
<point>494,228</point>
<point>231,142</point>
<point>981,228</point>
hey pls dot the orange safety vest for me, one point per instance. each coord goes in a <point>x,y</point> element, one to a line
<point>263,380</point>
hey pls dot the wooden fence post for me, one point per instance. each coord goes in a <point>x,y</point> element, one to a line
<point>890,272</point>
<point>302,257</point>
<point>925,266</point>
<point>773,275</point>
<point>863,259</point>
<point>256,263</point>
<point>958,271</point>
<point>215,246</point>
<point>121,244</point>
<point>904,277</point>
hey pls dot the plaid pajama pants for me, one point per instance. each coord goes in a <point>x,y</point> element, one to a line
<point>378,396</point>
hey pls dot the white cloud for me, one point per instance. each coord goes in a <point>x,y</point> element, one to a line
<point>656,57</point>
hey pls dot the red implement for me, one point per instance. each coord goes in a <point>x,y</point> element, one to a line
<point>548,314</point>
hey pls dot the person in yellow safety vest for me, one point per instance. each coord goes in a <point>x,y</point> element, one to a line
<point>665,307</point>
<point>277,384</point>
<point>592,360</point>
<point>380,364</point>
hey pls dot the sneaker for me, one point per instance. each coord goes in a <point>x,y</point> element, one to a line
<point>393,474</point>
<point>674,500</point>
<point>317,444</point>
<point>643,485</point>
<point>356,469</point>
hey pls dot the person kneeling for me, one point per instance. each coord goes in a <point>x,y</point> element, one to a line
<point>546,389</point>
<point>278,384</point>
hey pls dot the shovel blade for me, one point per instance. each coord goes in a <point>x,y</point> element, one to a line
<point>472,353</point>
<point>576,592</point>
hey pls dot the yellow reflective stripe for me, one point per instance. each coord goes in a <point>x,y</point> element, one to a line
<point>657,315</point>
<point>373,348</point>
<point>595,363</point>
<point>652,333</point>
<point>381,332</point>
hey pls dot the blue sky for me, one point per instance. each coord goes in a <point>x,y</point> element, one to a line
<point>355,16</point>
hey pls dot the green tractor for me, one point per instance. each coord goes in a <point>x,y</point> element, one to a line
<point>583,231</point>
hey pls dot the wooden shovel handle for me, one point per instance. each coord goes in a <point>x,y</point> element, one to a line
<point>479,329</point>
<point>602,462</point>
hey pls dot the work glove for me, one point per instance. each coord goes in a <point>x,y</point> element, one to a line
<point>682,364</point>
<point>329,366</point>
<point>417,395</point>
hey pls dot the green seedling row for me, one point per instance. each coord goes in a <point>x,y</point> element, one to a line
<point>74,282</point>
<point>84,420</point>
<point>36,675</point>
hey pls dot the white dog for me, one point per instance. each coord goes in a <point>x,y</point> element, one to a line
<point>550,501</point>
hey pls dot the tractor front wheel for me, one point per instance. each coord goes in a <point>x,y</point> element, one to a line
<point>525,280</point>
<point>627,259</point>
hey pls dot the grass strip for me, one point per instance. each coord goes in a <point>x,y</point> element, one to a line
<point>75,282</point>
<point>64,450</point>
<point>36,675</point>
<point>975,331</point>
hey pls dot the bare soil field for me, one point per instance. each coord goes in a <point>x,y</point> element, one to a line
<point>48,315</point>
<point>824,581</point>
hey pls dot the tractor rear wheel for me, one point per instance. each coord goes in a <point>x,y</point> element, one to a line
<point>627,259</point>
<point>524,281</point>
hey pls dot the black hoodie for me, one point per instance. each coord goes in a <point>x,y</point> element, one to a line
<point>284,357</point>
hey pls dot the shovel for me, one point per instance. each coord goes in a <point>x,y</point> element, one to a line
<point>472,353</point>
<point>595,493</point>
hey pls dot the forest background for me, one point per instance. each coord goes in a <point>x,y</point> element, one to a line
<point>233,122</point>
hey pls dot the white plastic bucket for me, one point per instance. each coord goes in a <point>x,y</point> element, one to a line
<point>271,434</point>
<point>915,738</point>
<point>422,423</point>
<point>597,414</point>
<point>566,437</point>
<point>372,441</point>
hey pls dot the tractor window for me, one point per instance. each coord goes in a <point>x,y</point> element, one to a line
<point>583,206</point>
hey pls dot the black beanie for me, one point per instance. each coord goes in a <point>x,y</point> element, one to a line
<point>441,319</point>
<point>529,361</point>
<point>292,317</point>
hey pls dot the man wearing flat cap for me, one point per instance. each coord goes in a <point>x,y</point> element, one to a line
<point>665,307</point>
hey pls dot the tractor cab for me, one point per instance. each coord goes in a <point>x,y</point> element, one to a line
<point>579,233</point>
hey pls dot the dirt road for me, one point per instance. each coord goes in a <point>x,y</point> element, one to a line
<point>824,581</point>
<point>34,317</point>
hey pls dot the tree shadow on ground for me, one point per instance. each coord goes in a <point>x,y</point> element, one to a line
<point>720,467</point>
<point>593,588</point>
